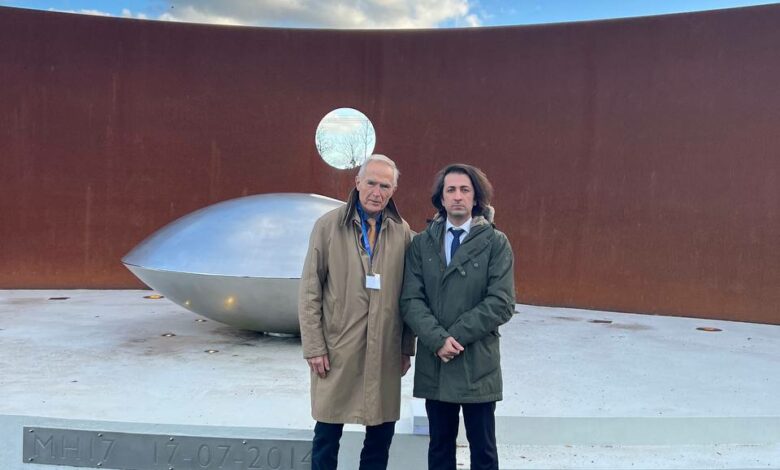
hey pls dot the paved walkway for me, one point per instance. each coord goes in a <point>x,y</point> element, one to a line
<point>583,389</point>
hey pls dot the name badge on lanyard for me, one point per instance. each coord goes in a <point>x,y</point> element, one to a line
<point>373,282</point>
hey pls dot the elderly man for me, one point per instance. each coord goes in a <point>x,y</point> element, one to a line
<point>458,288</point>
<point>353,338</point>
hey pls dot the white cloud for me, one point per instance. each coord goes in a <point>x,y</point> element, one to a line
<point>473,20</point>
<point>94,12</point>
<point>125,13</point>
<point>83,12</point>
<point>348,14</point>
<point>189,14</point>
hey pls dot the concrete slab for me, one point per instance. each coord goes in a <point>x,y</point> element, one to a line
<point>99,359</point>
<point>608,457</point>
<point>564,364</point>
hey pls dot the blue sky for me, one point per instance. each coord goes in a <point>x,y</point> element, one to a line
<point>378,13</point>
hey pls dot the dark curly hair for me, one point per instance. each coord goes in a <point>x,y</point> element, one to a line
<point>483,190</point>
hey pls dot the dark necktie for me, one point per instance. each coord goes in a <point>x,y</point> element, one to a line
<point>456,233</point>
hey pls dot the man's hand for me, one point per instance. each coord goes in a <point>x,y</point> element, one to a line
<point>319,365</point>
<point>406,363</point>
<point>450,349</point>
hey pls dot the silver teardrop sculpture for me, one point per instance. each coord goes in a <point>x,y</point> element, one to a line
<point>237,262</point>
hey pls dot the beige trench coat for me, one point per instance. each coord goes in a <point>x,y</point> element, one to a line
<point>361,330</point>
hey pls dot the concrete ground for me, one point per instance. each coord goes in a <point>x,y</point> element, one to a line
<point>583,389</point>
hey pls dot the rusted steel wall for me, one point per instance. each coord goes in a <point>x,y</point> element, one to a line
<point>635,161</point>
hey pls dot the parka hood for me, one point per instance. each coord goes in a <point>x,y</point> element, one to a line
<point>488,213</point>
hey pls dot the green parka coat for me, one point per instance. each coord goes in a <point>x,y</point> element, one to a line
<point>467,300</point>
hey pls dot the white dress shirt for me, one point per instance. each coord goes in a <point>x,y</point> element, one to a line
<point>448,236</point>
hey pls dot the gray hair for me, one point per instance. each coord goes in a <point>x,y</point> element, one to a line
<point>380,158</point>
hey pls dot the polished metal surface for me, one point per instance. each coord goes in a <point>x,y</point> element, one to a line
<point>264,235</point>
<point>238,262</point>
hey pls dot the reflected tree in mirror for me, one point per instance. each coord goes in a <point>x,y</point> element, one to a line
<point>345,138</point>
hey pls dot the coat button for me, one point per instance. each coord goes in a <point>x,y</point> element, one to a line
<point>476,265</point>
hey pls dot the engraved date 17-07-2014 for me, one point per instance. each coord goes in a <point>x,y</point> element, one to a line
<point>96,449</point>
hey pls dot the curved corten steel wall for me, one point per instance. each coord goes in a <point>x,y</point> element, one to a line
<point>635,161</point>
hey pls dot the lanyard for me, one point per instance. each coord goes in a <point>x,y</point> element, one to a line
<point>364,228</point>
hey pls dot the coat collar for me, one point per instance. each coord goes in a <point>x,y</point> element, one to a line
<point>478,224</point>
<point>488,214</point>
<point>350,212</point>
<point>437,226</point>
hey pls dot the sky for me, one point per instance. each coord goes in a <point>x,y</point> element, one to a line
<point>345,137</point>
<point>372,14</point>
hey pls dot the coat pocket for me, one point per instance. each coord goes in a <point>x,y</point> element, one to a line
<point>426,381</point>
<point>333,311</point>
<point>483,359</point>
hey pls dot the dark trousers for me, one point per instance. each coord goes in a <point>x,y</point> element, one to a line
<point>376,446</point>
<point>480,422</point>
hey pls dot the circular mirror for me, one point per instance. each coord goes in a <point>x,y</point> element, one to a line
<point>345,138</point>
